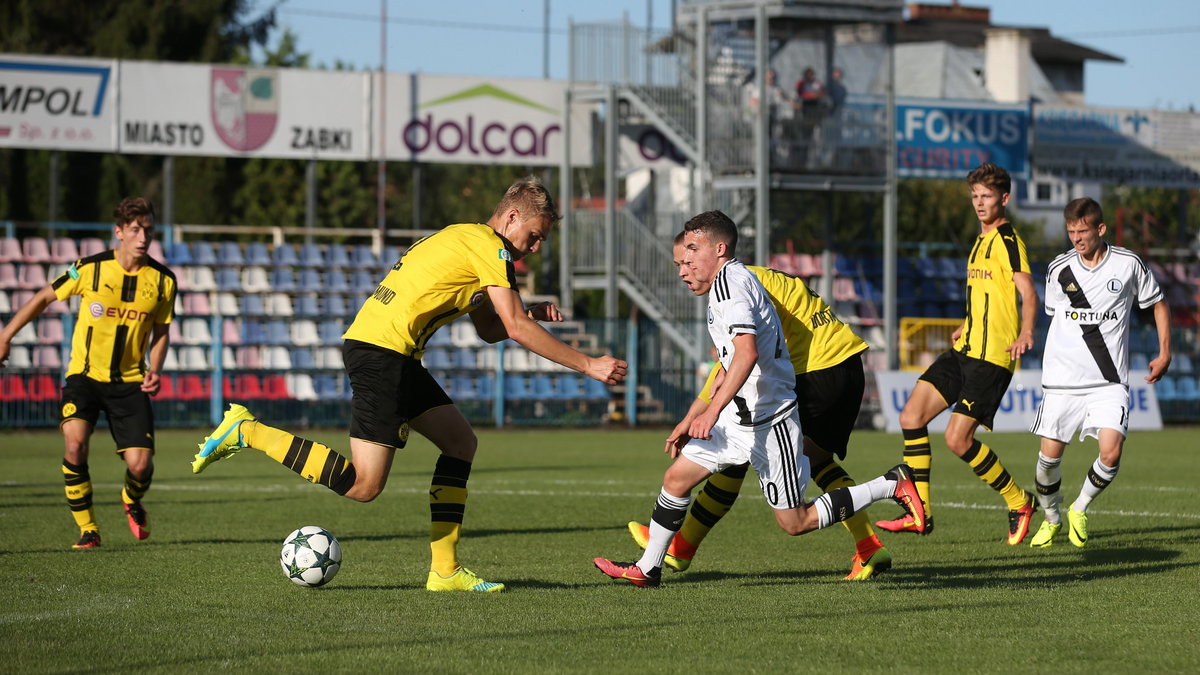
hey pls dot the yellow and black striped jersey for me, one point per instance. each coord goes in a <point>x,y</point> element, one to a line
<point>816,337</point>
<point>440,278</point>
<point>993,311</point>
<point>117,314</point>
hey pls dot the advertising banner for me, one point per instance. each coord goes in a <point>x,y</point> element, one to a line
<point>191,109</point>
<point>57,103</point>
<point>940,139</point>
<point>1020,403</point>
<point>471,120</point>
<point>1152,148</point>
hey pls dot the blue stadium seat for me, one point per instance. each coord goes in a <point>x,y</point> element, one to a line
<point>595,389</point>
<point>463,388</point>
<point>1188,389</point>
<point>179,254</point>
<point>542,387</point>
<point>953,268</point>
<point>228,279</point>
<point>390,255</point>
<point>845,266</point>
<point>310,280</point>
<point>251,304</point>
<point>306,305</point>
<point>312,255</point>
<point>1166,390</point>
<point>302,358</point>
<point>363,281</point>
<point>284,255</point>
<point>440,338</point>
<point>1138,361</point>
<point>926,268</point>
<point>335,305</point>
<point>465,357</point>
<point>363,257</point>
<point>330,332</point>
<point>252,332</point>
<point>282,279</point>
<point>516,388</point>
<point>485,385</point>
<point>335,280</point>
<point>326,387</point>
<point>339,256</point>
<point>277,333</point>
<point>257,254</point>
<point>571,387</point>
<point>437,359</point>
<point>203,253</point>
<point>230,253</point>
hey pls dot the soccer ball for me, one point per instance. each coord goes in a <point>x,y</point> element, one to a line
<point>311,556</point>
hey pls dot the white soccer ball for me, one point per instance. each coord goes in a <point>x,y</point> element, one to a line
<point>311,556</point>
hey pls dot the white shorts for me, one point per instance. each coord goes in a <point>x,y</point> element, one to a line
<point>775,450</point>
<point>1061,414</point>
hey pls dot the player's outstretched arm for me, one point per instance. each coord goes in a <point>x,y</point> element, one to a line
<point>529,333</point>
<point>1162,322</point>
<point>1029,302</point>
<point>28,312</point>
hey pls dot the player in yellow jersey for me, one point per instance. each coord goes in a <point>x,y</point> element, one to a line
<point>462,269</point>
<point>972,376</point>
<point>128,300</point>
<point>826,356</point>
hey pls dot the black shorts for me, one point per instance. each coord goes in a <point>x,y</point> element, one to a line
<point>389,390</point>
<point>829,400</point>
<point>130,417</point>
<point>972,387</point>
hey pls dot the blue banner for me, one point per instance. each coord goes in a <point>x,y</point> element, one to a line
<point>939,140</point>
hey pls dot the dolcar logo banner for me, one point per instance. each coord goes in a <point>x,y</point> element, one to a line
<point>472,121</point>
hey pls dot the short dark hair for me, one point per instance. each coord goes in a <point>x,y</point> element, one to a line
<point>992,176</point>
<point>1085,209</point>
<point>531,197</point>
<point>717,227</point>
<point>133,208</point>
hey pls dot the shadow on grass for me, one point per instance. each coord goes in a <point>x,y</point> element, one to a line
<point>1061,566</point>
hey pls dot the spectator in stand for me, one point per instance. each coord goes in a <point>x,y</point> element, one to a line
<point>811,93</point>
<point>781,110</point>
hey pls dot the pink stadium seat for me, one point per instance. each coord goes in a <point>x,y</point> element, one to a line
<point>46,356</point>
<point>58,307</point>
<point>8,276</point>
<point>35,250</point>
<point>50,331</point>
<point>91,246</point>
<point>31,276</point>
<point>10,250</point>
<point>64,250</point>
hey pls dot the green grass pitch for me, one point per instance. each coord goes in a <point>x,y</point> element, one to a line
<point>205,592</point>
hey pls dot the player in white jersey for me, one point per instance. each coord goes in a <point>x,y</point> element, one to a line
<point>1091,291</point>
<point>752,417</point>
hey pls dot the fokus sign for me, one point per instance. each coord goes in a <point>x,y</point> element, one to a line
<point>470,120</point>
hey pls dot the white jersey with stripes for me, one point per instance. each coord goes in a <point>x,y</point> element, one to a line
<point>737,303</point>
<point>1088,342</point>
